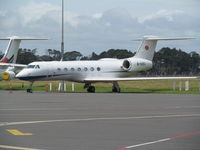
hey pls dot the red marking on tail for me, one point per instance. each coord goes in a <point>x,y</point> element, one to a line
<point>5,60</point>
<point>146,47</point>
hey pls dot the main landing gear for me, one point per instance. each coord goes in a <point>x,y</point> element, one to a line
<point>90,88</point>
<point>29,90</point>
<point>115,87</point>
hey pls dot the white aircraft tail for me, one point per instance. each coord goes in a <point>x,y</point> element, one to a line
<point>148,46</point>
<point>11,52</point>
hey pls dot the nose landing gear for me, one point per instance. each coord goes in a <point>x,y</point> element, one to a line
<point>29,90</point>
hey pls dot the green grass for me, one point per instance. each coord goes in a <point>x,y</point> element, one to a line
<point>148,86</point>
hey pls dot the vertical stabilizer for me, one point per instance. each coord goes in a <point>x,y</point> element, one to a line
<point>146,49</point>
<point>11,52</point>
<point>148,46</point>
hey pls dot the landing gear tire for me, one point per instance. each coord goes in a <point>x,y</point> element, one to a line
<point>29,91</point>
<point>91,89</point>
<point>116,90</point>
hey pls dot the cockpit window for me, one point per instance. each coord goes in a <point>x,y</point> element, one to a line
<point>31,66</point>
<point>37,66</point>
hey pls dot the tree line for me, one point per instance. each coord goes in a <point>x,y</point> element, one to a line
<point>166,61</point>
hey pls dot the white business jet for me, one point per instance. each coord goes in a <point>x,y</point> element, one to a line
<point>8,66</point>
<point>103,70</point>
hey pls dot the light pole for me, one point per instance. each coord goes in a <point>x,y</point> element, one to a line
<point>62,35</point>
<point>62,82</point>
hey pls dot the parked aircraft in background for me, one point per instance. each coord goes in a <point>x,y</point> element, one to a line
<point>8,66</point>
<point>103,70</point>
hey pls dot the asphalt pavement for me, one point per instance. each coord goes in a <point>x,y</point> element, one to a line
<point>99,121</point>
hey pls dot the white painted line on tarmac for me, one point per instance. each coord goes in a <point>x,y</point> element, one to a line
<point>158,141</point>
<point>96,119</point>
<point>182,107</point>
<point>23,109</point>
<point>143,144</point>
<point>148,143</point>
<point>18,148</point>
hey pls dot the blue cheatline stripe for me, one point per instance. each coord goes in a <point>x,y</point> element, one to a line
<point>38,77</point>
<point>31,77</point>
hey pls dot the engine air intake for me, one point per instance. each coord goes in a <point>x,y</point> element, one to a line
<point>126,65</point>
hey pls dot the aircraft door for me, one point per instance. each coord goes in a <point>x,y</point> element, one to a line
<point>51,71</point>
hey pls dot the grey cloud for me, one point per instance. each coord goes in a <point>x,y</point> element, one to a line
<point>111,29</point>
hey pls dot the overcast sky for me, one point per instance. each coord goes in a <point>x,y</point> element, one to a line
<point>98,25</point>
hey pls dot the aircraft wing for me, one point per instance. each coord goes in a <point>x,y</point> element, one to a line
<point>6,65</point>
<point>136,79</point>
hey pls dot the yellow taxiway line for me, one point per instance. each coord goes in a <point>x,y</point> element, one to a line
<point>17,132</point>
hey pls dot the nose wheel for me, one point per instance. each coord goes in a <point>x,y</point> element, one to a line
<point>29,90</point>
<point>91,89</point>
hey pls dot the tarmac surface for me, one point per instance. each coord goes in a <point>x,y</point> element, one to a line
<point>99,121</point>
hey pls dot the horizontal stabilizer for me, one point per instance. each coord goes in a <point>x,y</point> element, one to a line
<point>22,38</point>
<point>168,38</point>
<point>6,65</point>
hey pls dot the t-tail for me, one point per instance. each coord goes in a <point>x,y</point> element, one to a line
<point>148,46</point>
<point>11,52</point>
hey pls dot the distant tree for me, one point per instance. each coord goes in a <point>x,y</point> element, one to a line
<point>112,53</point>
<point>94,56</point>
<point>1,54</point>
<point>116,53</point>
<point>26,56</point>
<point>172,62</point>
<point>50,52</point>
<point>56,54</point>
<point>195,62</point>
<point>45,58</point>
<point>74,55</point>
<point>85,58</point>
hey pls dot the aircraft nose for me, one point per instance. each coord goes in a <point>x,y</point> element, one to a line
<point>22,76</point>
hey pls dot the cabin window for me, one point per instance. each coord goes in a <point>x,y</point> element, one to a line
<point>79,69</point>
<point>58,69</point>
<point>91,69</point>
<point>85,69</point>
<point>65,69</point>
<point>72,69</point>
<point>98,69</point>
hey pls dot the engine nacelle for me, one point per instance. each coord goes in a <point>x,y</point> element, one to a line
<point>136,64</point>
<point>8,75</point>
